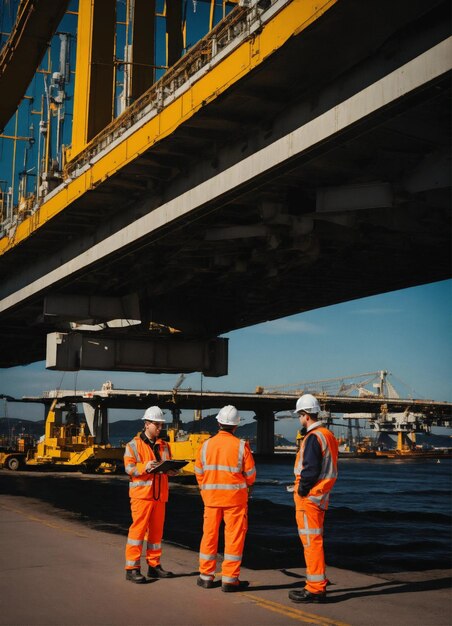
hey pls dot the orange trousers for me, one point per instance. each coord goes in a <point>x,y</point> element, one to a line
<point>310,519</point>
<point>148,517</point>
<point>235,527</point>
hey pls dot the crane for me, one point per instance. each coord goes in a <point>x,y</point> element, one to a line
<point>341,386</point>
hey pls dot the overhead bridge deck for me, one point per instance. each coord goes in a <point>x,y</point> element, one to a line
<point>272,170</point>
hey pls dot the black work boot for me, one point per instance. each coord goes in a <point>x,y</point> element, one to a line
<point>135,576</point>
<point>204,582</point>
<point>241,585</point>
<point>306,596</point>
<point>158,572</point>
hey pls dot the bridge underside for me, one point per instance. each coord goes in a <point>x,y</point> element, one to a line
<point>360,211</point>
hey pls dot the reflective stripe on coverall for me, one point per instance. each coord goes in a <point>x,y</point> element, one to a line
<point>310,509</point>
<point>148,496</point>
<point>224,470</point>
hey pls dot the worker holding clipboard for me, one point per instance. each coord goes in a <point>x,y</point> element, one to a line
<point>147,461</point>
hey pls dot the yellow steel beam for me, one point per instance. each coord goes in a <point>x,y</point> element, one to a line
<point>293,18</point>
<point>93,89</point>
<point>18,138</point>
<point>82,78</point>
<point>212,12</point>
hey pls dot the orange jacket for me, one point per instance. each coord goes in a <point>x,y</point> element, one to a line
<point>328,448</point>
<point>142,485</point>
<point>224,470</point>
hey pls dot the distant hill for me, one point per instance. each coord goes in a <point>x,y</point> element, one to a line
<point>246,431</point>
<point>14,426</point>
<point>126,429</point>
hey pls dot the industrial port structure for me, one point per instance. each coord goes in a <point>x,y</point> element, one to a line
<point>382,407</point>
<point>73,441</point>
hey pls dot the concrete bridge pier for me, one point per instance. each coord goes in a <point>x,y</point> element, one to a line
<point>265,435</point>
<point>176,413</point>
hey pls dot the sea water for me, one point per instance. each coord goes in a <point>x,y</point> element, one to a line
<point>384,514</point>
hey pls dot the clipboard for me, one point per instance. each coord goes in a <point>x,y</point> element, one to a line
<point>165,466</point>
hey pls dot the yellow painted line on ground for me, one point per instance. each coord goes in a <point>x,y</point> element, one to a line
<point>295,614</point>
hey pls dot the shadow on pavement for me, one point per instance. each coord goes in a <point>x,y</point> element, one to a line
<point>389,588</point>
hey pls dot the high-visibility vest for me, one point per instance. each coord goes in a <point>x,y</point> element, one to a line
<point>142,485</point>
<point>320,492</point>
<point>224,470</point>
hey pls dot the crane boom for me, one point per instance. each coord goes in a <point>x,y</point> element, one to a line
<point>340,386</point>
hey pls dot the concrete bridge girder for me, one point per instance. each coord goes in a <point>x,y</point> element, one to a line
<point>264,161</point>
<point>232,236</point>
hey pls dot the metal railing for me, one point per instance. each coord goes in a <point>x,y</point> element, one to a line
<point>233,27</point>
<point>241,23</point>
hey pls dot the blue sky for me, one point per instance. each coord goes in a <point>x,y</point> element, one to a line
<point>407,332</point>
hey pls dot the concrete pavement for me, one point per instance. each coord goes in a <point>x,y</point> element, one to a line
<point>56,571</point>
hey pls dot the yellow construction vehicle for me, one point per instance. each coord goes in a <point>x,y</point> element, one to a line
<point>184,447</point>
<point>66,444</point>
<point>82,443</point>
<point>299,438</point>
<point>13,452</point>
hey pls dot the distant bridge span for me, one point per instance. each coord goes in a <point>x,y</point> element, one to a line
<point>305,164</point>
<point>184,399</point>
<point>263,405</point>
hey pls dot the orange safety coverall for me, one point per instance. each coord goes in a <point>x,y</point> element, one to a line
<point>318,460</point>
<point>148,497</point>
<point>224,469</point>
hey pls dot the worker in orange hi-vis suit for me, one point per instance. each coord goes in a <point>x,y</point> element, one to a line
<point>315,474</point>
<point>224,470</point>
<point>148,497</point>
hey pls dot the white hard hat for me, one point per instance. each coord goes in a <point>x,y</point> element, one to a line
<point>228,416</point>
<point>153,414</point>
<point>307,403</point>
